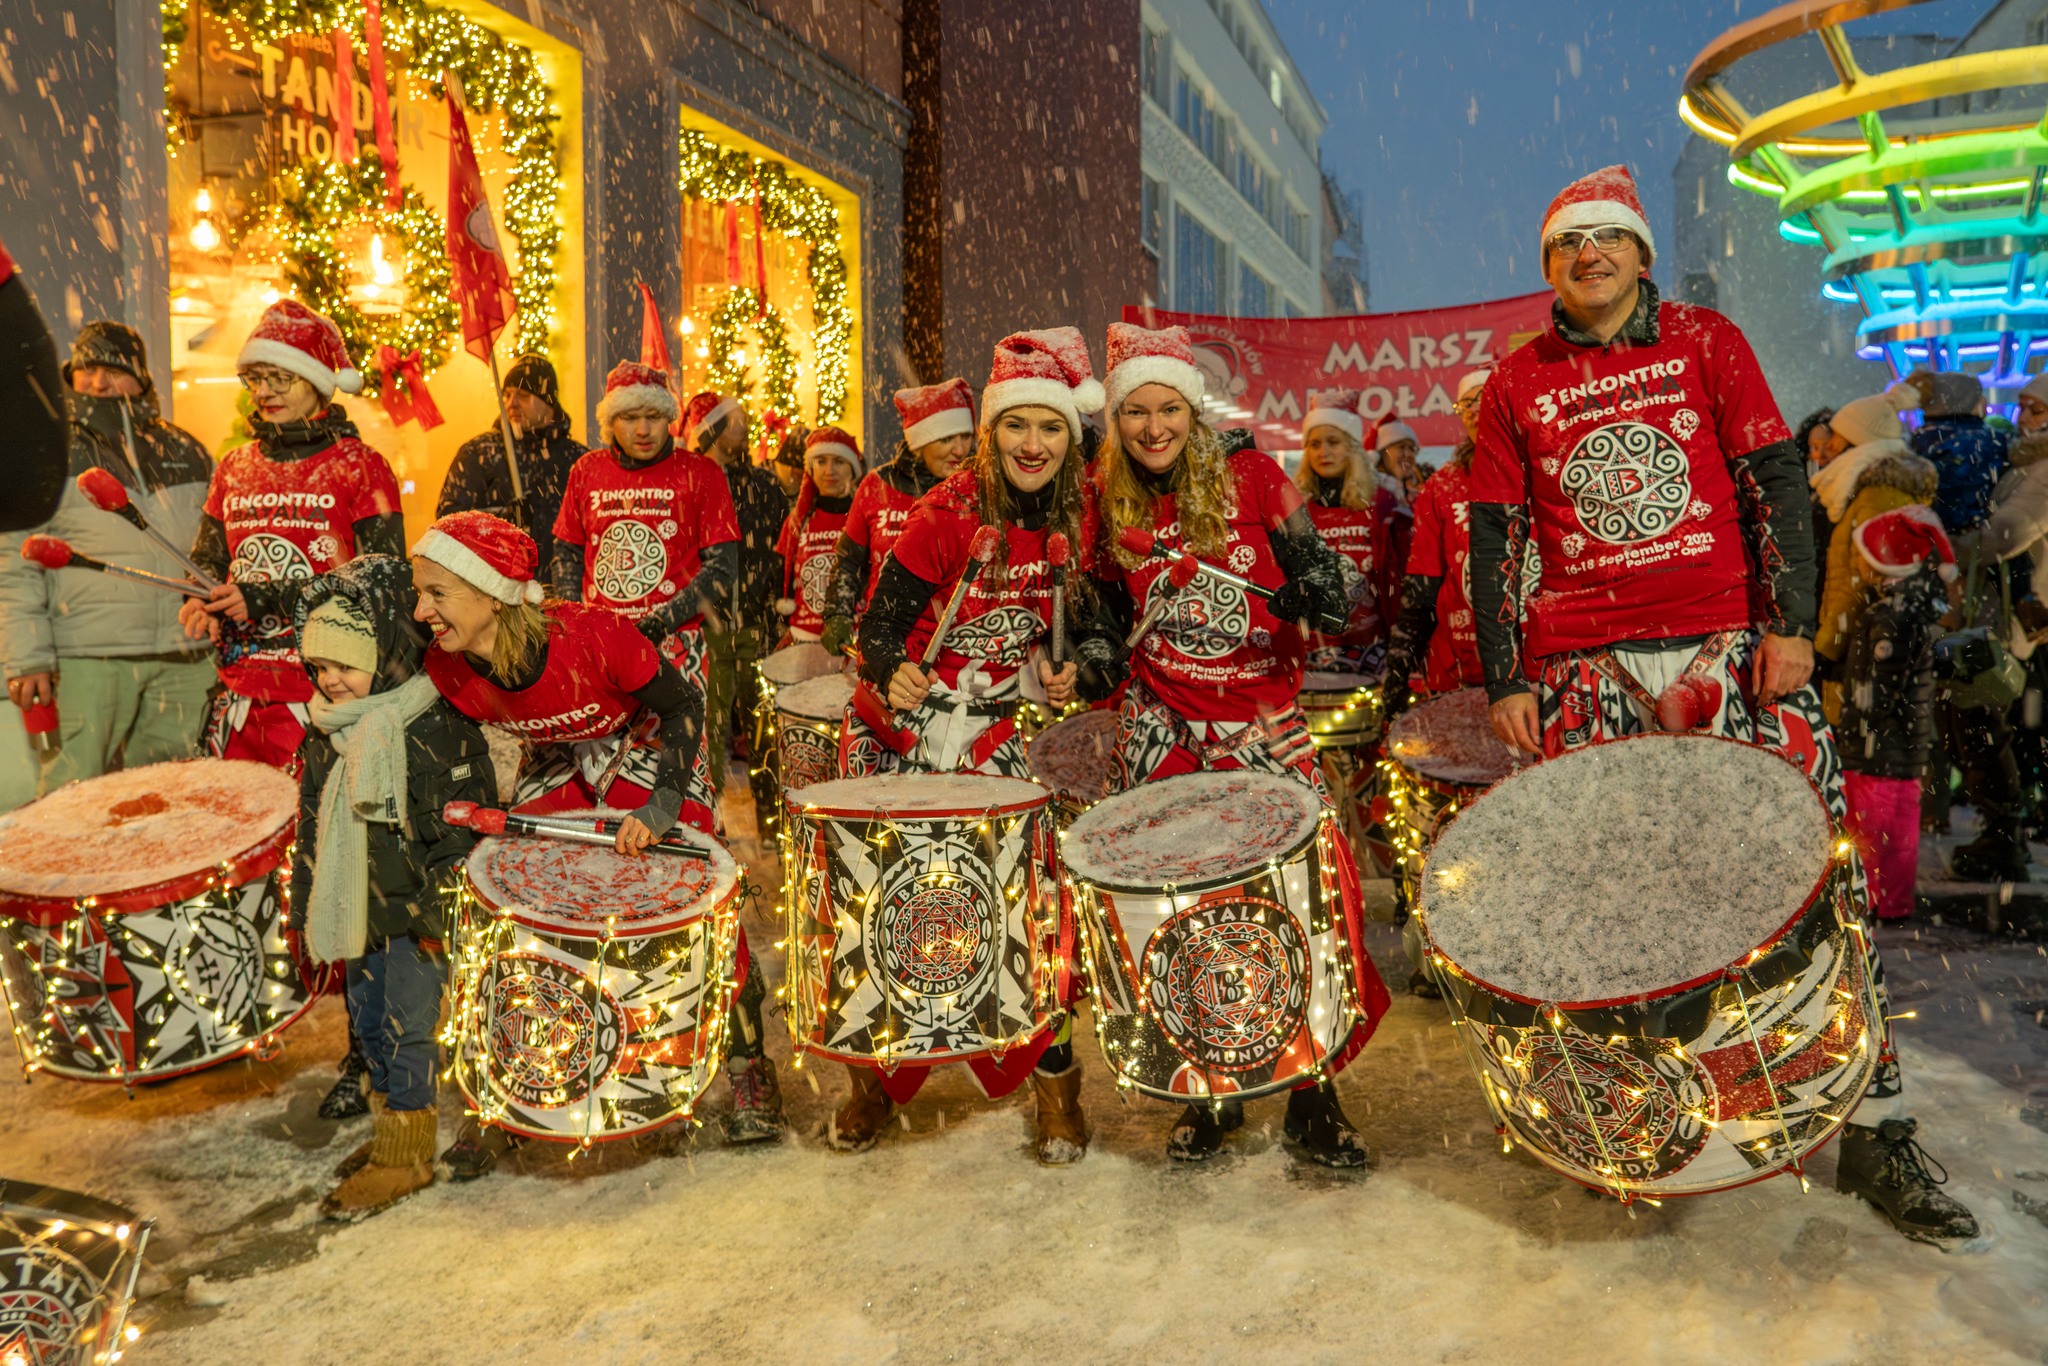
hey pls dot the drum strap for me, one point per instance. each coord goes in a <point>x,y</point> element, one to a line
<point>1711,652</point>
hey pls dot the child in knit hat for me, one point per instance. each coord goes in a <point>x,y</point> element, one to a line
<point>375,875</point>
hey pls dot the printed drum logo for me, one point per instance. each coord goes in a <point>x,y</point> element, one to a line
<point>553,1036</point>
<point>935,933</point>
<point>264,558</point>
<point>1208,620</point>
<point>808,756</point>
<point>630,561</point>
<point>1630,482</point>
<point>46,1296</point>
<point>1229,982</point>
<point>1602,1105</point>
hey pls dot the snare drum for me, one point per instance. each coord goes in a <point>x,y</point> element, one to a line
<point>1221,924</point>
<point>1076,758</point>
<point>1651,955</point>
<point>1440,757</point>
<point>1343,713</point>
<point>68,1264</point>
<point>926,924</point>
<point>591,991</point>
<point>807,720</point>
<point>785,668</point>
<point>144,917</point>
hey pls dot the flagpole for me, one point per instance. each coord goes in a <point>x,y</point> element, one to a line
<point>505,426</point>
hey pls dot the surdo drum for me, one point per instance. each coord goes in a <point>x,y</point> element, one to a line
<point>68,1265</point>
<point>144,918</point>
<point>1343,710</point>
<point>1650,951</point>
<point>1076,758</point>
<point>925,919</point>
<point>591,991</point>
<point>1220,940</point>
<point>1440,757</point>
<point>785,668</point>
<point>807,720</point>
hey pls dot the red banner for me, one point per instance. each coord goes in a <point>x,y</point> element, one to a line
<point>483,282</point>
<point>1405,365</point>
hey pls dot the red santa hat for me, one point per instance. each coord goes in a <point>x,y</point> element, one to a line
<point>1390,432</point>
<point>293,337</point>
<point>704,412</point>
<point>1139,356</point>
<point>486,552</point>
<point>1897,543</point>
<point>834,441</point>
<point>1471,381</point>
<point>1604,198</point>
<point>1047,369</point>
<point>632,386</point>
<point>1334,408</point>
<point>934,412</point>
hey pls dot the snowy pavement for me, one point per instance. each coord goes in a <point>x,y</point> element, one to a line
<point>948,1243</point>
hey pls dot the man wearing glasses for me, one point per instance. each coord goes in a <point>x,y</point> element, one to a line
<point>1637,443</point>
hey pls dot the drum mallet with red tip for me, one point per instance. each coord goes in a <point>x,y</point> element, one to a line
<point>979,552</point>
<point>594,830</point>
<point>52,552</point>
<point>109,494</point>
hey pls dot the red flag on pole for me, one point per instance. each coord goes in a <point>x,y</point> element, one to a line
<point>380,101</point>
<point>483,283</point>
<point>653,336</point>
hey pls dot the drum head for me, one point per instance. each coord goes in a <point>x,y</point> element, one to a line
<point>1077,756</point>
<point>1450,740</point>
<point>1316,681</point>
<point>1626,869</point>
<point>142,827</point>
<point>1190,831</point>
<point>800,663</point>
<point>816,699</point>
<point>578,891</point>
<point>917,795</point>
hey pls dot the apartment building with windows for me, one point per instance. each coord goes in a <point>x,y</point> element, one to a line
<point>1233,208</point>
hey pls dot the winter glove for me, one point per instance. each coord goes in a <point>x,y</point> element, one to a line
<point>1395,699</point>
<point>1290,602</point>
<point>838,635</point>
<point>652,628</point>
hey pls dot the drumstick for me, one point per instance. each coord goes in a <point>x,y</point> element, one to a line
<point>1058,550</point>
<point>1178,575</point>
<point>1139,541</point>
<point>488,820</point>
<point>979,552</point>
<point>52,552</point>
<point>109,494</point>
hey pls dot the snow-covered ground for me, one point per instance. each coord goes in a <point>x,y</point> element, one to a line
<point>948,1243</point>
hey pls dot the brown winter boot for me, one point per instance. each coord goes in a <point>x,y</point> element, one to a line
<point>401,1162</point>
<point>858,1125</point>
<point>360,1158</point>
<point>1062,1132</point>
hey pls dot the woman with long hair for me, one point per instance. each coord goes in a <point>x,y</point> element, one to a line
<point>1355,518</point>
<point>1023,485</point>
<point>810,537</point>
<point>605,719</point>
<point>1213,684</point>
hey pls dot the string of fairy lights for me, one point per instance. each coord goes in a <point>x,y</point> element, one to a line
<point>778,363</point>
<point>798,210</point>
<point>497,76</point>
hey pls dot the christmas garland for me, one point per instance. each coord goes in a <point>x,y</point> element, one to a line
<point>497,77</point>
<point>796,209</point>
<point>778,364</point>
<point>316,201</point>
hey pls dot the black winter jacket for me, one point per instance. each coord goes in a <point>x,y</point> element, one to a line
<point>1887,728</point>
<point>413,868</point>
<point>479,481</point>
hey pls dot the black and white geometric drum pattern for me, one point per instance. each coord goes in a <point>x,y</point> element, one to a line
<point>924,917</point>
<point>1218,950</point>
<point>591,991</point>
<point>808,716</point>
<point>68,1264</point>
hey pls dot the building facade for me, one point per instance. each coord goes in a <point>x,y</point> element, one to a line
<point>1233,205</point>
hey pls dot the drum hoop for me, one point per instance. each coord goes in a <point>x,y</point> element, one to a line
<point>794,803</point>
<point>1466,793</point>
<point>259,860</point>
<point>1829,870</point>
<point>935,1059</point>
<point>1204,885</point>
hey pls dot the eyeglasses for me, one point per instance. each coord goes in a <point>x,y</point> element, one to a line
<point>1607,238</point>
<point>268,381</point>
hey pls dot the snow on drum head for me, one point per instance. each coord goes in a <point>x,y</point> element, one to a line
<point>1076,758</point>
<point>581,889</point>
<point>1220,951</point>
<point>1650,952</point>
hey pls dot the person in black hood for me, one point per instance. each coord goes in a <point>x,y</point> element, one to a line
<point>376,866</point>
<point>479,480</point>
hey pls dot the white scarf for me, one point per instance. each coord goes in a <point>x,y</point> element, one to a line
<point>367,783</point>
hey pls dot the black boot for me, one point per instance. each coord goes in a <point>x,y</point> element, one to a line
<point>349,1098</point>
<point>1997,855</point>
<point>1889,1169</point>
<point>1317,1126</point>
<point>1198,1134</point>
<point>476,1150</point>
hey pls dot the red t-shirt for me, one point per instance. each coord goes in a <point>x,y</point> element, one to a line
<point>1442,549</point>
<point>875,520</point>
<point>292,520</point>
<point>596,662</point>
<point>1359,536</point>
<point>1218,654</point>
<point>1001,617</point>
<point>1622,454</point>
<point>644,531</point>
<point>807,555</point>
